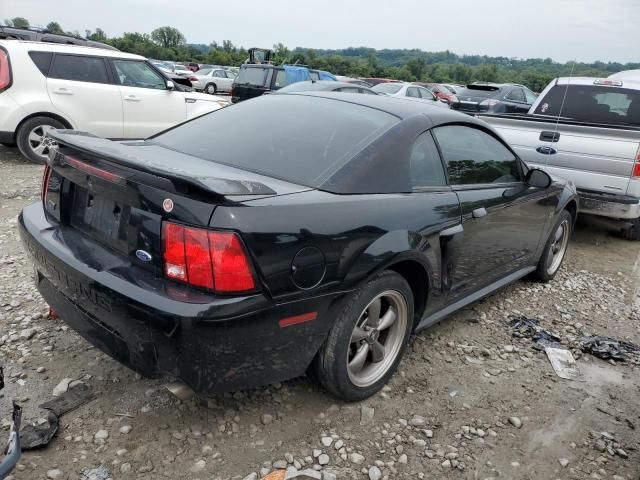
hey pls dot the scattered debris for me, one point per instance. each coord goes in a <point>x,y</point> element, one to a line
<point>524,327</point>
<point>100,473</point>
<point>563,363</point>
<point>608,348</point>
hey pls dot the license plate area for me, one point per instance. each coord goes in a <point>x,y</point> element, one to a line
<point>101,218</point>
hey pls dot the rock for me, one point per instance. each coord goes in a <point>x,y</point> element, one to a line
<point>323,459</point>
<point>356,458</point>
<point>288,457</point>
<point>338,445</point>
<point>251,476</point>
<point>446,463</point>
<point>329,476</point>
<point>417,421</point>
<point>266,419</point>
<point>101,435</point>
<point>198,466</point>
<point>515,421</point>
<point>621,453</point>
<point>54,474</point>
<point>564,462</point>
<point>280,464</point>
<point>366,415</point>
<point>62,387</point>
<point>307,474</point>
<point>327,441</point>
<point>508,348</point>
<point>375,473</point>
<point>27,333</point>
<point>403,459</point>
<point>125,429</point>
<point>41,369</point>
<point>428,433</point>
<point>600,445</point>
<point>121,451</point>
<point>125,467</point>
<point>316,452</point>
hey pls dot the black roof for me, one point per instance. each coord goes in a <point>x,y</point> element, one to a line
<point>400,107</point>
<point>43,35</point>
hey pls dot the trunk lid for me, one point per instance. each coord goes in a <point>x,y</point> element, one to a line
<point>118,193</point>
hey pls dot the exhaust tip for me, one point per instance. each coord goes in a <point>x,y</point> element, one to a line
<point>180,390</point>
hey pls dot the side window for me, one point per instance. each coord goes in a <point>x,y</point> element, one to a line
<point>425,164</point>
<point>517,95</point>
<point>42,61</point>
<point>281,79</point>
<point>133,73</point>
<point>350,89</point>
<point>366,91</point>
<point>79,68</point>
<point>475,157</point>
<point>219,74</point>
<point>413,92</point>
<point>426,94</point>
<point>531,97</point>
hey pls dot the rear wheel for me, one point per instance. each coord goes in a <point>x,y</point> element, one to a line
<point>32,138</point>
<point>368,340</point>
<point>554,249</point>
<point>632,233</point>
<point>211,88</point>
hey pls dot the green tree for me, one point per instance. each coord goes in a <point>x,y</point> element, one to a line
<point>416,67</point>
<point>54,27</point>
<point>168,37</point>
<point>18,22</point>
<point>97,36</point>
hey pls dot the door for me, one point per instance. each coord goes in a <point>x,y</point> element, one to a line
<point>222,81</point>
<point>516,101</point>
<point>148,106</point>
<point>502,218</point>
<point>81,89</point>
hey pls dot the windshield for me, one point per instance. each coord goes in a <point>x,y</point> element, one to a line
<point>180,67</point>
<point>252,76</point>
<point>204,71</point>
<point>387,88</point>
<point>301,139</point>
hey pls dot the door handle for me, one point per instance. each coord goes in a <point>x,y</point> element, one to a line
<point>479,212</point>
<point>544,150</point>
<point>450,232</point>
<point>132,98</point>
<point>549,136</point>
<point>63,91</point>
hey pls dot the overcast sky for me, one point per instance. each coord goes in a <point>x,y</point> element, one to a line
<point>584,30</point>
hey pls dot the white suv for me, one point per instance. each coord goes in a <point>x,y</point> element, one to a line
<point>108,93</point>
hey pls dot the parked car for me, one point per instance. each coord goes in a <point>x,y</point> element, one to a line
<point>354,81</point>
<point>43,35</point>
<point>375,81</point>
<point>408,91</point>
<point>213,80</point>
<point>179,69</point>
<point>256,79</point>
<point>494,98</point>
<point>194,67</point>
<point>455,89</point>
<point>326,86</point>
<point>586,130</point>
<point>322,75</point>
<point>163,67</point>
<point>319,240</point>
<point>440,91</point>
<point>626,75</point>
<point>106,92</point>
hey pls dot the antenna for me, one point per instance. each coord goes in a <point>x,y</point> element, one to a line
<point>564,97</point>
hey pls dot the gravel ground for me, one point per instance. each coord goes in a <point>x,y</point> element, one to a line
<point>469,402</point>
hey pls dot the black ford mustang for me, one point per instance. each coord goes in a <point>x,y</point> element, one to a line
<point>290,233</point>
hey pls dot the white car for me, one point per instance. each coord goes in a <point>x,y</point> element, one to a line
<point>108,93</point>
<point>181,70</point>
<point>409,91</point>
<point>213,80</point>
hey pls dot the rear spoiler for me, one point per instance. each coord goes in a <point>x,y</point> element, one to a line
<point>149,158</point>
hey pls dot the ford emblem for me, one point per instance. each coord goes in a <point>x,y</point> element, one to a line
<point>143,256</point>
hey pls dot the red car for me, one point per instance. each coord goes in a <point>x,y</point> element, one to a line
<point>440,91</point>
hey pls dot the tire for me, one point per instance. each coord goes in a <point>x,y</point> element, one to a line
<point>554,249</point>
<point>31,138</point>
<point>210,88</point>
<point>337,365</point>
<point>632,233</point>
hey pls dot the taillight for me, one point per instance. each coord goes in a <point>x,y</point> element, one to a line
<point>207,259</point>
<point>636,166</point>
<point>5,71</point>
<point>191,78</point>
<point>490,102</point>
<point>45,184</point>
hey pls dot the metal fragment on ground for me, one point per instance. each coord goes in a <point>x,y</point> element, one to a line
<point>563,363</point>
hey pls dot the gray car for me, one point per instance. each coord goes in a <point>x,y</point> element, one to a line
<point>213,80</point>
<point>409,91</point>
<point>326,86</point>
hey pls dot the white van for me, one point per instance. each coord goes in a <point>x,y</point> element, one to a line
<point>108,93</point>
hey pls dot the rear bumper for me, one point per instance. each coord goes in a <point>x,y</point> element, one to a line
<point>609,205</point>
<point>7,137</point>
<point>157,328</point>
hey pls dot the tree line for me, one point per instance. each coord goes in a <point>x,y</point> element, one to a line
<point>168,43</point>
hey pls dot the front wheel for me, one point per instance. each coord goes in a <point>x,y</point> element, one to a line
<point>368,339</point>
<point>633,232</point>
<point>555,249</point>
<point>211,89</point>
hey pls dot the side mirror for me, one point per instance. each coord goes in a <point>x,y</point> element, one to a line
<point>170,85</point>
<point>538,178</point>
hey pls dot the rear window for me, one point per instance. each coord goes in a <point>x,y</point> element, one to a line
<point>301,139</point>
<point>42,61</point>
<point>592,103</point>
<point>479,93</point>
<point>80,68</point>
<point>387,88</point>
<point>252,76</point>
